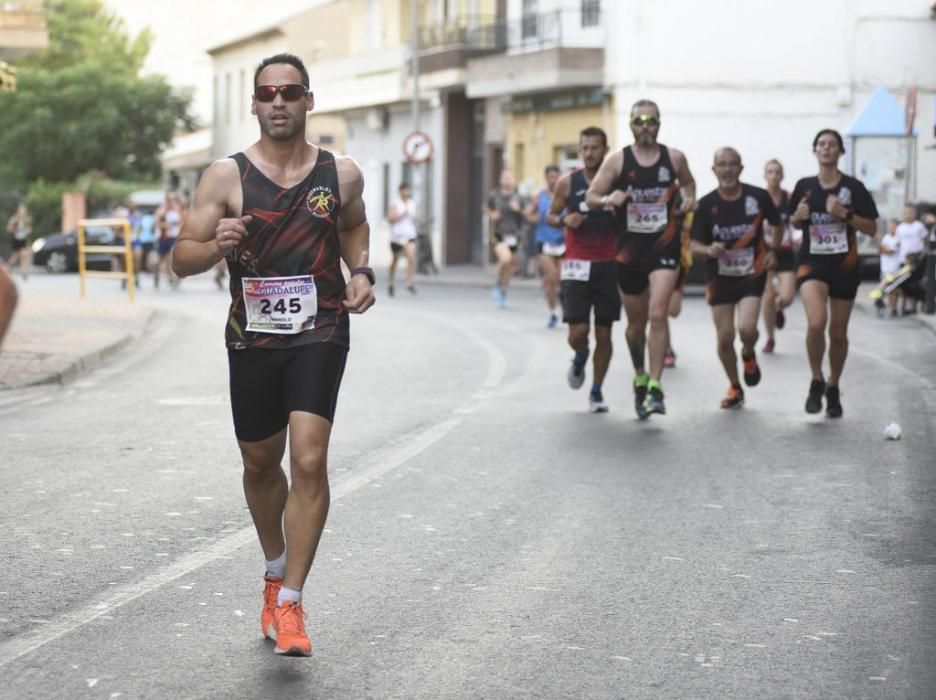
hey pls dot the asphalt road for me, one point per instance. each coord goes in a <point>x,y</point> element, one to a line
<point>488,537</point>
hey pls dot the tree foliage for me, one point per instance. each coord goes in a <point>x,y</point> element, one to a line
<point>81,106</point>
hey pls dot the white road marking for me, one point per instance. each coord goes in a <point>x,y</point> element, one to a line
<point>377,464</point>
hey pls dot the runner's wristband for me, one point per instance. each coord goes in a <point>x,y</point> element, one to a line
<point>367,272</point>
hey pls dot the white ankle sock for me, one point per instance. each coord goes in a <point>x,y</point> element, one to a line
<point>288,595</point>
<point>277,567</point>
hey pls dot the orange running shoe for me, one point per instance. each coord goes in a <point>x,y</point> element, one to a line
<point>752,373</point>
<point>289,630</point>
<point>271,590</point>
<point>734,398</point>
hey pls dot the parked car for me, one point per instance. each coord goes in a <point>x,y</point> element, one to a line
<point>58,252</point>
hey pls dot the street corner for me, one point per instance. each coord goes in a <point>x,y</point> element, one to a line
<point>53,339</point>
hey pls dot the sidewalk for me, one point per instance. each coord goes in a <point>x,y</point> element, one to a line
<point>55,336</point>
<point>864,304</point>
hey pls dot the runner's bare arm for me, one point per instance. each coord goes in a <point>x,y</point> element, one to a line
<point>686,181</point>
<point>354,234</point>
<point>211,231</point>
<point>601,193</point>
<point>557,204</point>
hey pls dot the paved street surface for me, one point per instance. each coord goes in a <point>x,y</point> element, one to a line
<point>488,538</point>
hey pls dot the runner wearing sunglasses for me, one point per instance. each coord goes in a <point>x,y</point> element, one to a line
<point>284,213</point>
<point>641,181</point>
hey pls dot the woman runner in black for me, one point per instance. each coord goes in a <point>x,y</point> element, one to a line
<point>829,208</point>
<point>284,213</point>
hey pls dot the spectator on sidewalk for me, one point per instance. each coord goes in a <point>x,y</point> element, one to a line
<point>8,299</point>
<point>912,236</point>
<point>890,260</point>
<point>19,226</point>
<point>402,215</point>
<point>169,219</point>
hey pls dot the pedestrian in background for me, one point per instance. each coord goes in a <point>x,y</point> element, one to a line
<point>890,261</point>
<point>911,234</point>
<point>402,216</point>
<point>19,226</point>
<point>504,210</point>
<point>144,242</point>
<point>550,242</point>
<point>8,299</point>
<point>169,219</point>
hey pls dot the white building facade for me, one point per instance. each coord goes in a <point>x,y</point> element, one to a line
<point>764,77</point>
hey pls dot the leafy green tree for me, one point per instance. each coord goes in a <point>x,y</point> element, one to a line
<point>81,106</point>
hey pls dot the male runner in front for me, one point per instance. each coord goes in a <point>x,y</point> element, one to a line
<point>829,208</point>
<point>588,275</point>
<point>728,227</point>
<point>645,177</point>
<point>284,213</point>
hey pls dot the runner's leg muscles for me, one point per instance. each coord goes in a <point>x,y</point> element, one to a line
<point>723,316</point>
<point>748,309</point>
<point>309,496</point>
<point>815,295</point>
<point>839,314</point>
<point>265,487</point>
<point>662,284</point>
<point>635,306</point>
<point>602,356</point>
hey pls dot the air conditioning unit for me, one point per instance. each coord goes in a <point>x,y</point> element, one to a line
<point>377,118</point>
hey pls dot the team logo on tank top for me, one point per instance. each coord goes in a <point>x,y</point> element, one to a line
<point>751,207</point>
<point>844,195</point>
<point>321,202</point>
<point>663,175</point>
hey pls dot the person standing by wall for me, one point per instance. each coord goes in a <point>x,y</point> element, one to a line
<point>19,226</point>
<point>402,217</point>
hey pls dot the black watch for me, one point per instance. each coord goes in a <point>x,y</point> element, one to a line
<point>368,272</point>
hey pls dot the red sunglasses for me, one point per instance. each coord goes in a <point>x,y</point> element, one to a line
<point>290,93</point>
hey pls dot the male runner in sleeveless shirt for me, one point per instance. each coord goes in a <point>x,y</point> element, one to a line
<point>642,180</point>
<point>588,275</point>
<point>829,208</point>
<point>775,300</point>
<point>728,227</point>
<point>284,213</point>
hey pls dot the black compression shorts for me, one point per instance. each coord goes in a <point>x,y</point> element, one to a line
<point>267,384</point>
<point>600,292</point>
<point>786,260</point>
<point>722,289</point>
<point>639,254</point>
<point>842,282</point>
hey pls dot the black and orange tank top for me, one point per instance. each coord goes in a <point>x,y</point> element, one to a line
<point>293,235</point>
<point>651,207</point>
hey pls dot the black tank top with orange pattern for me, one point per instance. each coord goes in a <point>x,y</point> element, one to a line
<point>293,233</point>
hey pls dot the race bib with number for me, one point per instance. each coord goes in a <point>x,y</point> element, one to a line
<point>285,305</point>
<point>575,270</point>
<point>828,239</point>
<point>646,217</point>
<point>554,249</point>
<point>510,240</point>
<point>736,263</point>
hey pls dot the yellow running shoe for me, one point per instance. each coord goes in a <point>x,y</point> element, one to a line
<point>289,630</point>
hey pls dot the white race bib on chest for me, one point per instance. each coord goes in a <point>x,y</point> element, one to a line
<point>828,239</point>
<point>646,217</point>
<point>736,263</point>
<point>575,270</point>
<point>285,305</point>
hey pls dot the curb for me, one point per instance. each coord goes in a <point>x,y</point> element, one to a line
<point>84,363</point>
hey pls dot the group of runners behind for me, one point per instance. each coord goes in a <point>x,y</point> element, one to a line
<point>631,224</point>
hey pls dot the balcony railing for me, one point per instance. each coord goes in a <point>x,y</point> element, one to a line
<point>23,14</point>
<point>531,32</point>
